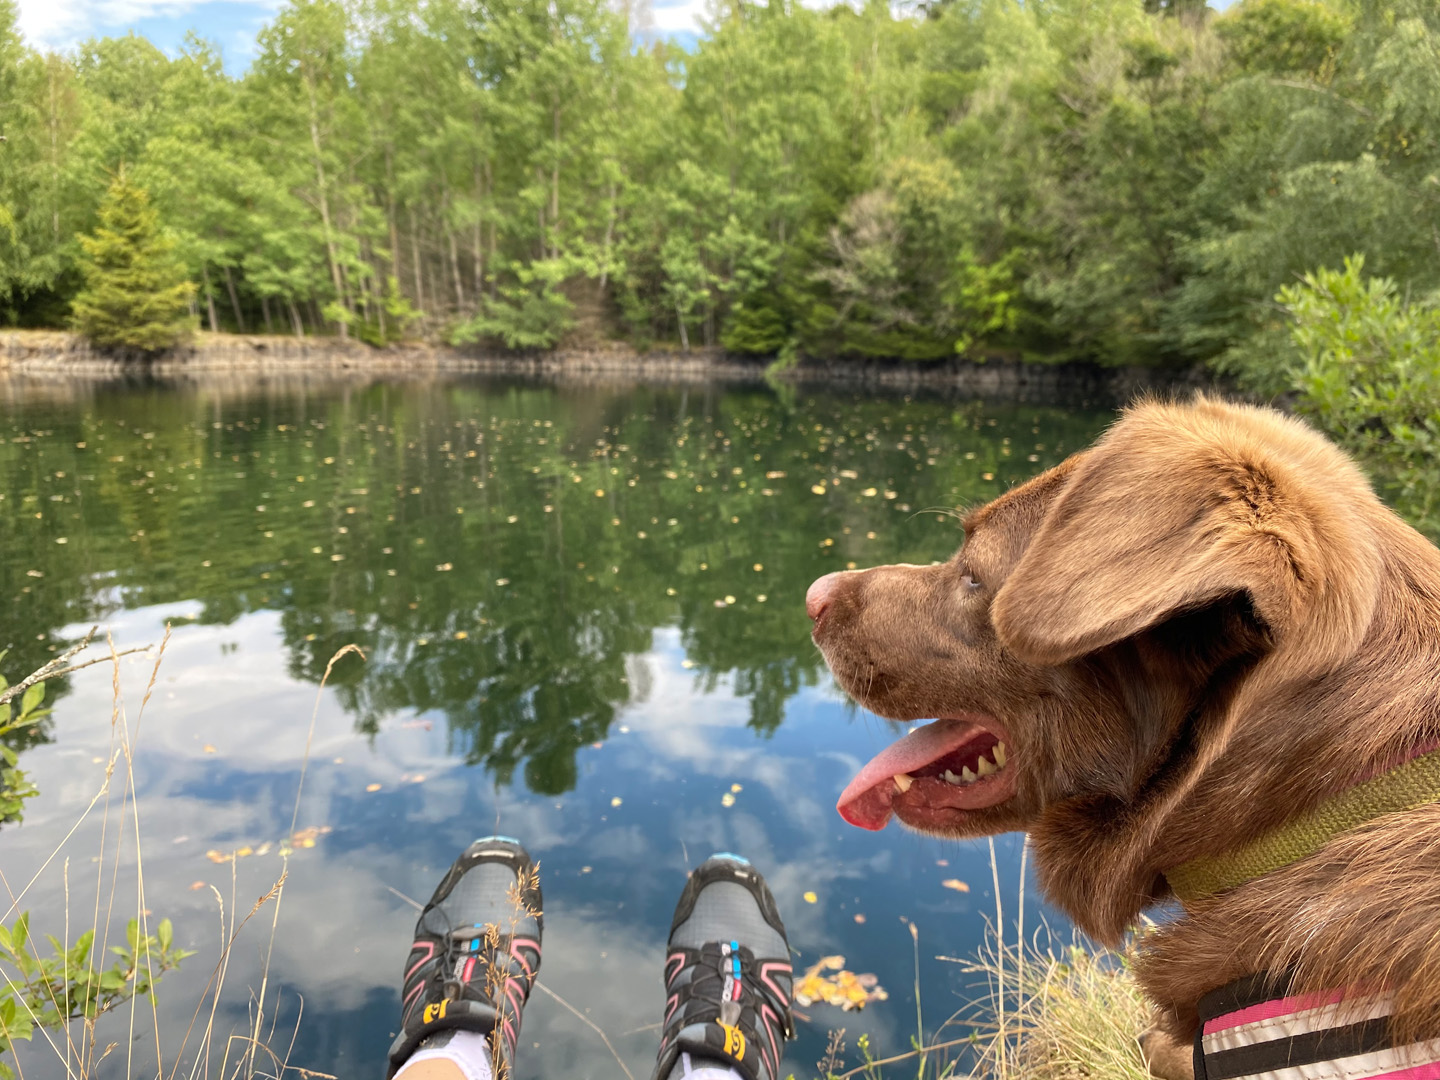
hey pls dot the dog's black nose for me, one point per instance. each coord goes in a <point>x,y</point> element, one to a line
<point>817,597</point>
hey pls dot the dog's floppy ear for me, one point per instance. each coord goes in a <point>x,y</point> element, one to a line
<point>1178,507</point>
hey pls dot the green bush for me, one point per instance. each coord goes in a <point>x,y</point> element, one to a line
<point>1366,360</point>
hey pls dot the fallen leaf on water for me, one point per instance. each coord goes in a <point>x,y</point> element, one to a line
<point>818,489</point>
<point>736,788</point>
<point>196,885</point>
<point>216,857</point>
<point>372,787</point>
<point>956,884</point>
<point>244,851</point>
<point>615,801</point>
<point>860,918</point>
<point>809,897</point>
<point>843,988</point>
<point>727,799</point>
<point>209,749</point>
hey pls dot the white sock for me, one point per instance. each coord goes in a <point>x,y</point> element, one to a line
<point>469,1050</point>
<point>700,1068</point>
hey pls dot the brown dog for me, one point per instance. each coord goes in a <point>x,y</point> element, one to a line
<point>1164,649</point>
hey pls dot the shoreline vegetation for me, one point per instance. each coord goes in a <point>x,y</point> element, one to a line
<point>51,355</point>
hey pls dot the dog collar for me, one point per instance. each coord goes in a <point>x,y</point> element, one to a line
<point>1405,787</point>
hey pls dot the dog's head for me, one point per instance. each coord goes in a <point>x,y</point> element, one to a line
<point>1091,638</point>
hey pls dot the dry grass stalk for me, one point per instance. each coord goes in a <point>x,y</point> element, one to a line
<point>120,824</point>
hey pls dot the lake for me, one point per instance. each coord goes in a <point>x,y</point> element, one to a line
<point>581,613</point>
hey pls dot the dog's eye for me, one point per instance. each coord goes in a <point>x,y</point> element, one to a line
<point>970,583</point>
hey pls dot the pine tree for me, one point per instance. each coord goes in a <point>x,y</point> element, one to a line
<point>136,294</point>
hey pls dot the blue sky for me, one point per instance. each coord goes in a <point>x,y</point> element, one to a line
<point>233,24</point>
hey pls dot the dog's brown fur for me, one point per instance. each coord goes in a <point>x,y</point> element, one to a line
<point>1195,629</point>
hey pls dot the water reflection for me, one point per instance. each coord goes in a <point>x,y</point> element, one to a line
<point>583,621</point>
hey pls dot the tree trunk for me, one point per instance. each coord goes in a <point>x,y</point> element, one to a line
<point>323,198</point>
<point>265,310</point>
<point>609,236</point>
<point>684,337</point>
<point>390,211</point>
<point>455,269</point>
<point>234,300</point>
<point>209,299</point>
<point>295,318</point>
<point>555,179</point>
<point>477,243</point>
<point>415,258</point>
<point>494,280</point>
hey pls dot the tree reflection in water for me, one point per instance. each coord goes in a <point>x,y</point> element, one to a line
<point>498,550</point>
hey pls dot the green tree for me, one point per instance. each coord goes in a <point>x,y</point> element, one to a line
<point>136,294</point>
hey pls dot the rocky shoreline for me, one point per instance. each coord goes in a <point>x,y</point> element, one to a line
<point>49,356</point>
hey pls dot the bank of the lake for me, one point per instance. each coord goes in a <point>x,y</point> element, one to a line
<point>46,355</point>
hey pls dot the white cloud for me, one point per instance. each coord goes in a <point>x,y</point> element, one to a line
<point>50,25</point>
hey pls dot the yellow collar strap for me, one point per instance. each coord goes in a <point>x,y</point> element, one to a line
<point>1404,787</point>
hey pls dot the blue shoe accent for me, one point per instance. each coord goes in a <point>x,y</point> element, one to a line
<point>732,857</point>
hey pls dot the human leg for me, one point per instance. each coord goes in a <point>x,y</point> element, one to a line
<point>727,978</point>
<point>469,973</point>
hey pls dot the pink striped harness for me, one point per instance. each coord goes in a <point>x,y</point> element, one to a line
<point>1254,1029</point>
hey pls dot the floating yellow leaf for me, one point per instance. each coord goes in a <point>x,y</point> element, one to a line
<point>196,885</point>
<point>615,801</point>
<point>956,884</point>
<point>216,857</point>
<point>209,749</point>
<point>737,788</point>
<point>810,898</point>
<point>818,489</point>
<point>372,787</point>
<point>727,800</point>
<point>842,988</point>
<point>860,918</point>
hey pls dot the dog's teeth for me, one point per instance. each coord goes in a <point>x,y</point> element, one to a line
<point>966,775</point>
<point>949,777</point>
<point>985,766</point>
<point>903,782</point>
<point>1000,754</point>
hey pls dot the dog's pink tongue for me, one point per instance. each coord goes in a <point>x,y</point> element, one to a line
<point>866,802</point>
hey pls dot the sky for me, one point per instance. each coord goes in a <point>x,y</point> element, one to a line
<point>230,24</point>
<point>233,24</point>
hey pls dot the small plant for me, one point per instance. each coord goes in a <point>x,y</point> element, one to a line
<point>49,992</point>
<point>15,784</point>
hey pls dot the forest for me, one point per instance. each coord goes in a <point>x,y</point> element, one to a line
<point>1123,181</point>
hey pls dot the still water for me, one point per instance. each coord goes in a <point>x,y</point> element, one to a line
<point>581,613</point>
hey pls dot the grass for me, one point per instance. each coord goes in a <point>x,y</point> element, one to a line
<point>1040,1011</point>
<point>61,1008</point>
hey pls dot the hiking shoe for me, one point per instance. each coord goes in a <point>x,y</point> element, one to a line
<point>476,951</point>
<point>727,973</point>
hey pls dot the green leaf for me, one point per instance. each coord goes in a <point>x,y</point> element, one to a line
<point>166,934</point>
<point>34,695</point>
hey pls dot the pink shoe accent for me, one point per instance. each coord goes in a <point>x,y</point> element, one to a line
<point>775,967</point>
<point>516,945</point>
<point>678,960</point>
<point>429,947</point>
